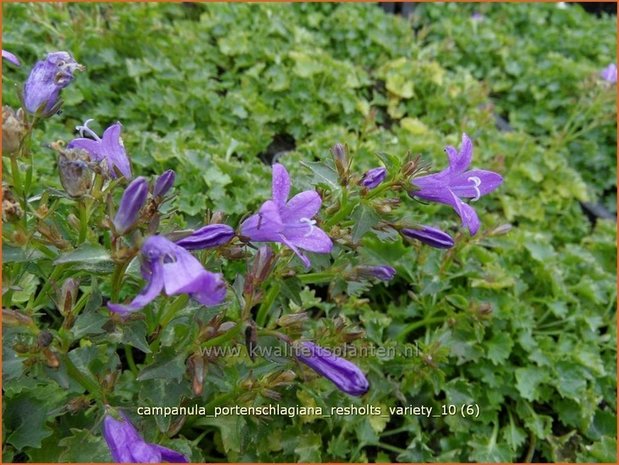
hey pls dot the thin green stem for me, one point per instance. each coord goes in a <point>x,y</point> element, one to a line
<point>117,277</point>
<point>83,211</point>
<point>316,278</point>
<point>419,324</point>
<point>343,211</point>
<point>382,445</point>
<point>130,361</point>
<point>531,450</point>
<point>43,292</point>
<point>83,380</point>
<point>267,303</point>
<point>225,337</point>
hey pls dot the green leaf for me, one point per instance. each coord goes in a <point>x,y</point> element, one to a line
<point>365,218</point>
<point>487,449</point>
<point>19,255</point>
<point>93,258</point>
<point>25,419</point>
<point>83,446</point>
<point>309,447</point>
<point>528,380</point>
<point>134,334</point>
<point>168,365</point>
<point>323,175</point>
<point>89,323</point>
<point>499,348</point>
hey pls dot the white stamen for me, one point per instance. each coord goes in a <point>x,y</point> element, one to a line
<point>310,223</point>
<point>85,129</point>
<point>476,183</point>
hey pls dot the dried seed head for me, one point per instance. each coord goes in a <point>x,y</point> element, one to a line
<point>14,128</point>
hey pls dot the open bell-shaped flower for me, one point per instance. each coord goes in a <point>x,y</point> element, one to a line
<point>456,182</point>
<point>171,269</point>
<point>108,149</point>
<point>288,221</point>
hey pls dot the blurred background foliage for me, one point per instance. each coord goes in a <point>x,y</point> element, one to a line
<point>522,324</point>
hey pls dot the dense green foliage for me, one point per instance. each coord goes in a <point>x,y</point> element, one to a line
<point>520,323</point>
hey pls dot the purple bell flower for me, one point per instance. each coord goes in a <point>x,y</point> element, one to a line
<point>344,374</point>
<point>372,178</point>
<point>431,236</point>
<point>8,56</point>
<point>288,221</point>
<point>127,446</point>
<point>208,237</point>
<point>609,74</point>
<point>170,268</point>
<point>164,183</point>
<point>131,203</point>
<point>382,272</point>
<point>108,149</point>
<point>47,78</point>
<point>454,182</point>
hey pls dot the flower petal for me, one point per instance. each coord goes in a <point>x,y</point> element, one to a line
<point>114,150</point>
<point>142,452</point>
<point>475,183</point>
<point>303,258</point>
<point>303,205</point>
<point>91,146</point>
<point>146,295</point>
<point>210,289</point>
<point>280,184</point>
<point>460,161</point>
<point>169,455</point>
<point>310,238</point>
<point>182,272</point>
<point>120,435</point>
<point>264,226</point>
<point>467,213</point>
<point>433,187</point>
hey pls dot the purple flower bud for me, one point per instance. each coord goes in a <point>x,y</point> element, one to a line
<point>131,203</point>
<point>127,446</point>
<point>431,236</point>
<point>47,78</point>
<point>208,237</point>
<point>382,272</point>
<point>164,183</point>
<point>373,177</point>
<point>8,56</point>
<point>609,74</point>
<point>344,374</point>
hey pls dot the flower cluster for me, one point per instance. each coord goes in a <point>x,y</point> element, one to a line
<point>284,227</point>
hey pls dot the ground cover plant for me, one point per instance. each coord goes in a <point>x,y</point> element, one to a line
<point>308,206</point>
